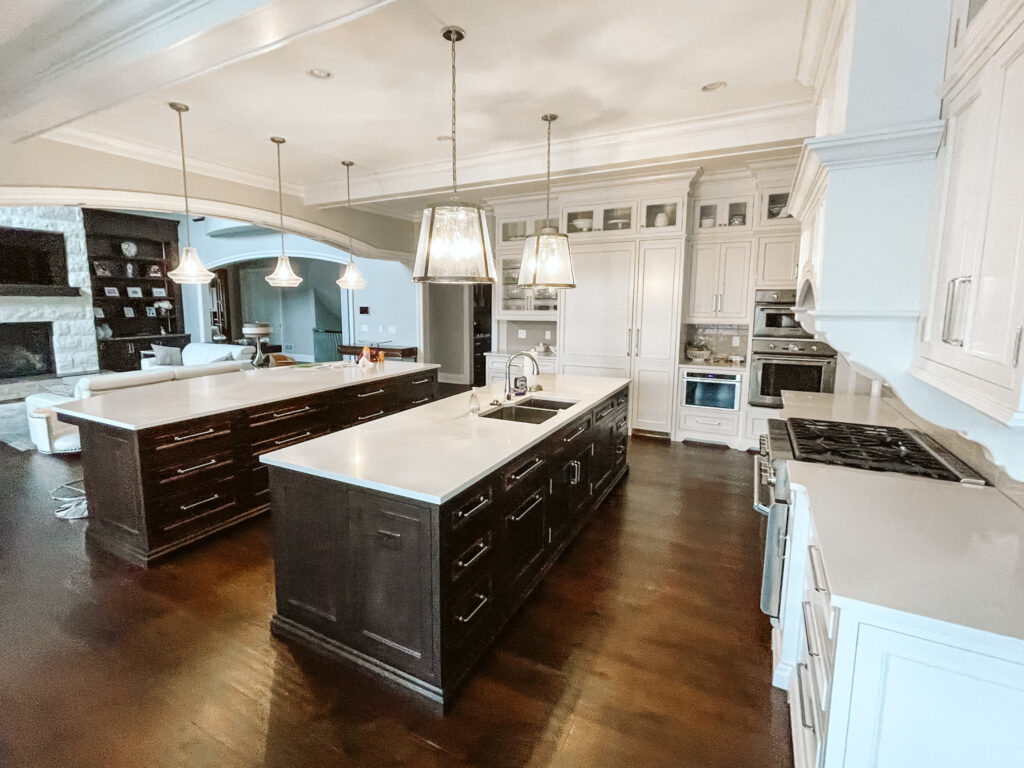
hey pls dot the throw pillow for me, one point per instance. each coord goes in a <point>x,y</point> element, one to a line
<point>166,355</point>
<point>223,358</point>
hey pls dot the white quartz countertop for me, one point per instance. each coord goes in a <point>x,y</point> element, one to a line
<point>931,548</point>
<point>433,452</point>
<point>152,405</point>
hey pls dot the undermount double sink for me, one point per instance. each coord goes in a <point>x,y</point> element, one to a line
<point>532,410</point>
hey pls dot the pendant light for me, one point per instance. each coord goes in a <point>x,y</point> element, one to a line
<point>190,270</point>
<point>282,276</point>
<point>454,245</point>
<point>546,259</point>
<point>350,279</point>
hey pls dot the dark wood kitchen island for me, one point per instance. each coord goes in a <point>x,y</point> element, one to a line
<point>404,546</point>
<point>170,463</point>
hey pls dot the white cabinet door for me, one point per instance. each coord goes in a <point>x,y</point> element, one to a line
<point>656,334</point>
<point>734,281</point>
<point>703,291</point>
<point>595,322</point>
<point>777,259</point>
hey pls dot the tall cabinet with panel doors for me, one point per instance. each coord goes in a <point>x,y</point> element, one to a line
<point>512,302</point>
<point>719,284</point>
<point>971,345</point>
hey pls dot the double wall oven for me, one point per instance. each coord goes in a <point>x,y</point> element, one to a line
<point>783,355</point>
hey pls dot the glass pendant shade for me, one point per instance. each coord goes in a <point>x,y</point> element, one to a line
<point>454,245</point>
<point>190,270</point>
<point>546,261</point>
<point>351,279</point>
<point>283,276</point>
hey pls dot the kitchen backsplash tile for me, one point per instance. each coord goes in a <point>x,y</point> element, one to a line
<point>719,339</point>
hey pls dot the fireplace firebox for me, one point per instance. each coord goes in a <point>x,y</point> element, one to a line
<point>26,349</point>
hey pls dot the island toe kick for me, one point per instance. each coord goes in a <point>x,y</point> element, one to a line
<point>413,592</point>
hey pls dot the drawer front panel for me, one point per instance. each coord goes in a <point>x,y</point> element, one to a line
<point>201,507</point>
<point>285,411</point>
<point>475,503</point>
<point>724,424</point>
<point>299,434</point>
<point>199,437</point>
<point>190,470</point>
<point>572,436</point>
<point>518,475</point>
<point>473,557</point>
<point>471,612</point>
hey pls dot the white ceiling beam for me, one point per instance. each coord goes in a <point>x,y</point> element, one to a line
<point>92,55</point>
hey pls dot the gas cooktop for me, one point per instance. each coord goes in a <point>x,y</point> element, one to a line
<point>884,449</point>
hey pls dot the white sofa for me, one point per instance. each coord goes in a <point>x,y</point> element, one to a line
<point>53,436</point>
<point>200,354</point>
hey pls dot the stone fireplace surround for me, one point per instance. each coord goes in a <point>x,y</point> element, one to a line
<point>74,335</point>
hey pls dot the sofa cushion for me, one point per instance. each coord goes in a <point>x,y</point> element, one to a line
<point>91,385</point>
<point>166,355</point>
<point>199,352</point>
<point>210,369</point>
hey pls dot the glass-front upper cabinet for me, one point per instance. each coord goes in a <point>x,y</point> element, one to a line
<point>773,208</point>
<point>588,220</point>
<point>516,230</point>
<point>661,215</point>
<point>733,213</point>
<point>522,302</point>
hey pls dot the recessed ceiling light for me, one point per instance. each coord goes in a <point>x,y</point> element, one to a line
<point>319,73</point>
<point>717,85</point>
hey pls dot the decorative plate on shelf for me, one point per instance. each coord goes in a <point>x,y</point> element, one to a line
<point>129,249</point>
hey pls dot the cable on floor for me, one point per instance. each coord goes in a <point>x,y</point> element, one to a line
<point>74,506</point>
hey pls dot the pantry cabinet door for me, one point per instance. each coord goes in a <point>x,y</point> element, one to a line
<point>656,335</point>
<point>703,294</point>
<point>595,327</point>
<point>734,281</point>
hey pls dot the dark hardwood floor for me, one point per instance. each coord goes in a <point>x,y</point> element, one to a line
<point>643,648</point>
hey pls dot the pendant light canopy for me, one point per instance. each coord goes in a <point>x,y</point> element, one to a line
<point>350,279</point>
<point>282,276</point>
<point>546,259</point>
<point>190,270</point>
<point>454,245</point>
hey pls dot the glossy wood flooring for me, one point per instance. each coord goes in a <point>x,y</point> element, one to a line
<point>644,648</point>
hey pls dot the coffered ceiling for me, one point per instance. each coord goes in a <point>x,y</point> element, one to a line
<point>624,77</point>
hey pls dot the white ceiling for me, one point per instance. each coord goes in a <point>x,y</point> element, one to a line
<point>605,66</point>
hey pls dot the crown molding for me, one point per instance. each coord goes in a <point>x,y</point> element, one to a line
<point>823,23</point>
<point>863,149</point>
<point>150,201</point>
<point>632,150</point>
<point>147,153</point>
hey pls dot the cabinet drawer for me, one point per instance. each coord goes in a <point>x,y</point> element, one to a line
<point>471,616</point>
<point>371,391</point>
<point>572,436</point>
<point>473,504</point>
<point>193,511</point>
<point>523,538</point>
<point>191,469</point>
<point>256,485</point>
<point>606,410</point>
<point>520,473</point>
<point>299,434</point>
<point>285,411</point>
<point>199,437</point>
<point>473,557</point>
<point>700,421</point>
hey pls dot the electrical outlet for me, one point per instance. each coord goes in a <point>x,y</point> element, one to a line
<point>735,341</point>
<point>522,333</point>
<point>392,329</point>
<point>547,335</point>
<point>289,347</point>
<point>364,327</point>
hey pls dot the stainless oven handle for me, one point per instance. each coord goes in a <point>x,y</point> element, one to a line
<point>758,482</point>
<point>818,361</point>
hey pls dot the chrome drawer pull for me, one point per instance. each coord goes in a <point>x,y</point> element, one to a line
<point>420,402</point>
<point>370,394</point>
<point>179,438</point>
<point>479,606</point>
<point>806,606</point>
<point>711,422</point>
<point>390,538</point>
<point>575,434</point>
<point>187,507</point>
<point>209,463</point>
<point>467,512</point>
<point>419,381</point>
<point>514,518</point>
<point>481,546</point>
<point>604,413</point>
<point>303,409</point>
<point>519,474</point>
<point>817,570</point>
<point>371,416</point>
<point>800,693</point>
<point>284,440</point>
<point>622,423</point>
<point>577,472</point>
<point>619,450</point>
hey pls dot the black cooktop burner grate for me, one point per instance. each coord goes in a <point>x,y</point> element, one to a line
<point>884,449</point>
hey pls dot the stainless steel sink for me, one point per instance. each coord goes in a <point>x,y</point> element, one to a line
<point>551,405</point>
<point>520,413</point>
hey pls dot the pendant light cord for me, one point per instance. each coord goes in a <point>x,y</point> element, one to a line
<point>280,197</point>
<point>348,193</point>
<point>184,179</point>
<point>547,204</point>
<point>455,190</point>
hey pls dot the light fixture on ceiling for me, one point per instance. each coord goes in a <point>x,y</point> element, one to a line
<point>454,244</point>
<point>547,262</point>
<point>350,279</point>
<point>320,73</point>
<point>190,270</point>
<point>283,276</point>
<point>717,85</point>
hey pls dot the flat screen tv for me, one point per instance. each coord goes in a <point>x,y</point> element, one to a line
<point>32,257</point>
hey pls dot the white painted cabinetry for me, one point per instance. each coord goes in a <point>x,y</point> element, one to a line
<point>719,284</point>
<point>971,346</point>
<point>777,261</point>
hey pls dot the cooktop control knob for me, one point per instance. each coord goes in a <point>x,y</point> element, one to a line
<point>793,348</point>
<point>771,346</point>
<point>814,347</point>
